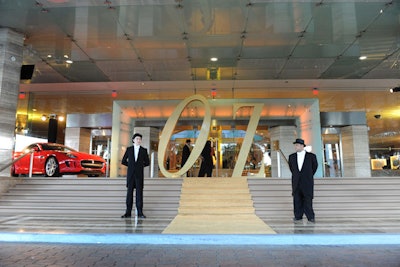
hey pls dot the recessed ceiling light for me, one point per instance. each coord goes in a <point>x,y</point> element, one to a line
<point>362,58</point>
<point>214,59</point>
<point>69,61</point>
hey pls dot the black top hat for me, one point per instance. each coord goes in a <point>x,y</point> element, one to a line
<point>299,141</point>
<point>137,134</point>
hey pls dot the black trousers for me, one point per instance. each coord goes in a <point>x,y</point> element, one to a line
<point>302,205</point>
<point>206,168</point>
<point>138,200</point>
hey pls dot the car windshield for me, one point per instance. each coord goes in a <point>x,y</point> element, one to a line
<point>57,147</point>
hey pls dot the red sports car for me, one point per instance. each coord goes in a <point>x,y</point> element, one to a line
<point>54,160</point>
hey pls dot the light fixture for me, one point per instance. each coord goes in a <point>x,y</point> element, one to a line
<point>394,89</point>
<point>21,95</point>
<point>114,93</point>
<point>315,91</point>
<point>362,58</point>
<point>214,59</point>
<point>64,59</point>
<point>52,116</point>
<point>213,92</point>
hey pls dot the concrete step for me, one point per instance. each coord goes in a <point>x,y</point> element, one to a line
<point>60,196</point>
<point>270,197</point>
<point>333,197</point>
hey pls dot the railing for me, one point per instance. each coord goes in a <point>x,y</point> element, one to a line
<point>19,158</point>
<point>283,156</point>
<point>279,155</point>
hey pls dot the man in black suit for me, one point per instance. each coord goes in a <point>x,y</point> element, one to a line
<point>136,158</point>
<point>303,166</point>
<point>186,154</point>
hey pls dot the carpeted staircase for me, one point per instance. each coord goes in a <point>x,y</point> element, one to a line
<point>216,206</point>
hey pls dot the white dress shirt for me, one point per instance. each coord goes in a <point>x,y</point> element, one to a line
<point>136,149</point>
<point>300,159</point>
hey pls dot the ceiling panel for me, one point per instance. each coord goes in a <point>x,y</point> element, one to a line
<point>124,42</point>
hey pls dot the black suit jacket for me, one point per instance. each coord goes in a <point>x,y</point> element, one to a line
<point>135,173</point>
<point>303,179</point>
<point>185,154</point>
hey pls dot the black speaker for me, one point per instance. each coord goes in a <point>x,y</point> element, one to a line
<point>27,72</point>
<point>52,132</point>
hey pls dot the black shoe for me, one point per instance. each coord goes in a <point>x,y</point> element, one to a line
<point>141,216</point>
<point>311,220</point>
<point>295,220</point>
<point>126,216</point>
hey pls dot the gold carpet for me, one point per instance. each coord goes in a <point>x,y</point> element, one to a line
<point>216,206</point>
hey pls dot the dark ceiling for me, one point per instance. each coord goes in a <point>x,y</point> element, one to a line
<point>162,49</point>
<point>173,40</point>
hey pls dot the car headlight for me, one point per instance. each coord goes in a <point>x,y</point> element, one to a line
<point>72,156</point>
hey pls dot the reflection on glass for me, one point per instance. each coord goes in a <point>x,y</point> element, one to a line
<point>333,166</point>
<point>227,142</point>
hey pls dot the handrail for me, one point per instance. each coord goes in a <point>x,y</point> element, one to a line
<point>280,151</point>
<point>15,160</point>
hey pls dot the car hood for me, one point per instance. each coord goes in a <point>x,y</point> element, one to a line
<point>84,156</point>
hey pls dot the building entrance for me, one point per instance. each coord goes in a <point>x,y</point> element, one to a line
<point>100,145</point>
<point>331,139</point>
<point>226,143</point>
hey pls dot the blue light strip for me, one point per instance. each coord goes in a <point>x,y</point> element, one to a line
<point>190,239</point>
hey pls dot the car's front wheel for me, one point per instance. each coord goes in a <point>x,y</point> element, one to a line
<point>51,167</point>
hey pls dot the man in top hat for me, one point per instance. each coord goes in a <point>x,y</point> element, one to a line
<point>303,166</point>
<point>136,158</point>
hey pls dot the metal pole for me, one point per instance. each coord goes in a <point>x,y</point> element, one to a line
<point>216,158</point>
<point>152,165</point>
<point>31,165</point>
<point>278,162</point>
<point>108,157</point>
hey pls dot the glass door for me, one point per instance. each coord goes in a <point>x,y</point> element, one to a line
<point>101,145</point>
<point>332,152</point>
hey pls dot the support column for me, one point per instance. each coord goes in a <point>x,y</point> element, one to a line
<point>150,141</point>
<point>122,125</point>
<point>309,129</point>
<point>282,136</point>
<point>11,48</point>
<point>356,162</point>
<point>78,138</point>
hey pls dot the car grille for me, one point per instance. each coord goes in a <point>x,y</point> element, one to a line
<point>92,164</point>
